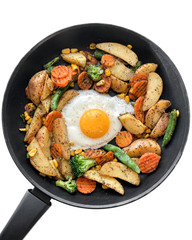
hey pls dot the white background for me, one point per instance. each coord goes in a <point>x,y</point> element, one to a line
<point>166,212</point>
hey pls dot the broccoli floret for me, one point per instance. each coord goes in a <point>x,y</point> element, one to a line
<point>80,164</point>
<point>70,185</point>
<point>94,72</point>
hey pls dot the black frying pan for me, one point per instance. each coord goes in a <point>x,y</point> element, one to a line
<point>37,201</point>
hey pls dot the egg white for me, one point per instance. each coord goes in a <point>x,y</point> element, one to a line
<point>90,99</point>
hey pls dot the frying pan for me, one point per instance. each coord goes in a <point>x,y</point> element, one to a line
<point>36,201</point>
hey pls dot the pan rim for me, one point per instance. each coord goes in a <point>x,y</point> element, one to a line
<point>32,181</point>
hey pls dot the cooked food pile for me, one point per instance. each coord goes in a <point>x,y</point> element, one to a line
<point>96,116</point>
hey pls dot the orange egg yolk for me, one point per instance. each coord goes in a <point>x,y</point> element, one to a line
<point>94,123</point>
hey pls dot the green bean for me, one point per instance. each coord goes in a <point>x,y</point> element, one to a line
<point>122,156</point>
<point>59,92</point>
<point>171,127</point>
<point>49,64</point>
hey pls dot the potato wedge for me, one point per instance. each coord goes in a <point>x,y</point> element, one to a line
<point>60,136</point>
<point>120,170</point>
<point>65,98</point>
<point>58,175</point>
<point>161,126</point>
<point>46,90</point>
<point>141,146</point>
<point>44,139</point>
<point>106,180</point>
<point>119,70</point>
<point>35,86</point>
<point>39,161</point>
<point>65,168</point>
<point>35,125</point>
<point>154,113</point>
<point>154,90</point>
<point>47,103</point>
<point>132,124</point>
<point>120,51</point>
<point>119,86</point>
<point>76,58</point>
<point>146,68</point>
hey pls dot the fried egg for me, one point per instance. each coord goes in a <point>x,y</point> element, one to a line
<point>92,118</point>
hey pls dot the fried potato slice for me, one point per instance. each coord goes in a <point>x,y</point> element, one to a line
<point>46,103</point>
<point>44,139</point>
<point>154,90</point>
<point>65,168</point>
<point>118,85</point>
<point>132,124</point>
<point>76,58</point>
<point>120,170</point>
<point>39,161</point>
<point>141,146</point>
<point>65,98</point>
<point>120,51</point>
<point>119,70</point>
<point>161,126</point>
<point>146,68</point>
<point>106,180</point>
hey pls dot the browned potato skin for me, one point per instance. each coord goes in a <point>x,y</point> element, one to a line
<point>65,98</point>
<point>39,161</point>
<point>119,86</point>
<point>154,113</point>
<point>161,126</point>
<point>44,139</point>
<point>60,136</point>
<point>76,58</point>
<point>46,89</point>
<point>120,170</point>
<point>65,168</point>
<point>35,86</point>
<point>35,125</point>
<point>46,103</point>
<point>146,68</point>
<point>141,146</point>
<point>132,124</point>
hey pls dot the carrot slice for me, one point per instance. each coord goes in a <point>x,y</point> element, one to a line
<point>61,75</point>
<point>85,185</point>
<point>139,114</point>
<point>104,88</point>
<point>106,158</point>
<point>138,78</point>
<point>140,88</point>
<point>107,60</point>
<point>84,82</point>
<point>124,139</point>
<point>148,162</point>
<point>50,118</point>
<point>56,151</point>
<point>94,153</point>
<point>132,96</point>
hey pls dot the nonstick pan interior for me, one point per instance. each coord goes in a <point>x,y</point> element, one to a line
<point>80,37</point>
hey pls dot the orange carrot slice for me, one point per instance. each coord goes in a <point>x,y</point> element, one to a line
<point>124,139</point>
<point>94,153</point>
<point>84,82</point>
<point>50,118</point>
<point>139,114</point>
<point>138,78</point>
<point>61,75</point>
<point>85,185</point>
<point>107,60</point>
<point>106,158</point>
<point>104,88</point>
<point>140,88</point>
<point>148,162</point>
<point>56,151</point>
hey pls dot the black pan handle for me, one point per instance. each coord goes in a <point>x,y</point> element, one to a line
<point>33,205</point>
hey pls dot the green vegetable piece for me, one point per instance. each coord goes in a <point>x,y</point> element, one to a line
<point>22,116</point>
<point>80,164</point>
<point>138,64</point>
<point>123,157</point>
<point>69,185</point>
<point>59,92</point>
<point>170,128</point>
<point>98,53</point>
<point>94,72</point>
<point>49,64</point>
<point>49,69</point>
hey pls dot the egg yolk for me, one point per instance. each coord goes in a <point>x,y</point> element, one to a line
<point>94,123</point>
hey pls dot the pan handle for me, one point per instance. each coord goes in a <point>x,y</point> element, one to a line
<point>33,205</point>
